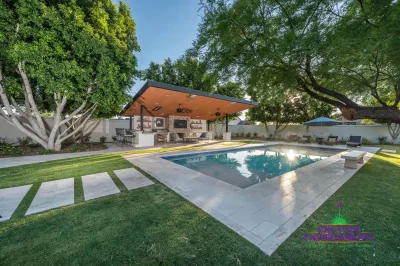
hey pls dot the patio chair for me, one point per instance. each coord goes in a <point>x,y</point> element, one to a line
<point>306,139</point>
<point>128,136</point>
<point>120,136</point>
<point>161,138</point>
<point>203,136</point>
<point>124,136</point>
<point>354,141</point>
<point>332,140</point>
<point>291,138</point>
<point>175,138</point>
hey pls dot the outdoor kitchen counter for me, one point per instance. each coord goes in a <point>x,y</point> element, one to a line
<point>144,139</point>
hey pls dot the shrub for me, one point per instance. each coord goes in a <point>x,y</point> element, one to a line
<point>343,140</point>
<point>103,139</point>
<point>366,141</point>
<point>87,138</point>
<point>4,142</point>
<point>382,139</point>
<point>24,142</point>
<point>34,145</point>
<point>242,135</point>
<point>248,135</point>
<point>44,152</point>
<point>255,135</point>
<point>77,148</point>
<point>114,138</point>
<point>8,150</point>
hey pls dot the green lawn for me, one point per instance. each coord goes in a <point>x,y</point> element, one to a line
<point>155,226</point>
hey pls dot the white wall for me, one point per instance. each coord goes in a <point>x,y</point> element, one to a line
<point>97,128</point>
<point>371,132</point>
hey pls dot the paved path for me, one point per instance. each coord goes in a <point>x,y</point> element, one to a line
<point>132,178</point>
<point>10,198</point>
<point>59,193</point>
<point>52,195</point>
<point>23,160</point>
<point>98,185</point>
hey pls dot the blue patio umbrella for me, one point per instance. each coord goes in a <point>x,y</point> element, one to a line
<point>322,121</point>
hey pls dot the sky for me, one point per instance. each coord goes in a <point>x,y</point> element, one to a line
<point>164,28</point>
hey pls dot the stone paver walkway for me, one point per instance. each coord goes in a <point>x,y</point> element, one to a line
<point>98,185</point>
<point>59,193</point>
<point>10,198</point>
<point>132,178</point>
<point>52,195</point>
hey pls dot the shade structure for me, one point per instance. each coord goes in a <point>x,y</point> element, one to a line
<point>322,121</point>
<point>162,100</point>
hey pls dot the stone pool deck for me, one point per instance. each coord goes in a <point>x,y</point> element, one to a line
<point>266,214</point>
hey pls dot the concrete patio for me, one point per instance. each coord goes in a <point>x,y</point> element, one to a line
<point>266,213</point>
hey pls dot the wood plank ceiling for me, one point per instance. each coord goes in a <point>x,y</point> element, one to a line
<point>163,103</point>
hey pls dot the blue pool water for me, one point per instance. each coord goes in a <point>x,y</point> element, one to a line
<point>243,168</point>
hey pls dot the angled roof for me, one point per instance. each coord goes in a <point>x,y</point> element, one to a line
<point>161,99</point>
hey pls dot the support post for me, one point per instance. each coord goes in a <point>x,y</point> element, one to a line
<point>227,135</point>
<point>226,123</point>
<point>141,117</point>
<point>130,123</point>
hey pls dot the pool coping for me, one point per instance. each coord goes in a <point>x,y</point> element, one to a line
<point>267,213</point>
<point>195,154</point>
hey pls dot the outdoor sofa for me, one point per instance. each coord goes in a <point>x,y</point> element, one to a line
<point>354,141</point>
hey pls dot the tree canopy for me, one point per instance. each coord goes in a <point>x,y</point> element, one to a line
<point>344,53</point>
<point>186,72</point>
<point>279,113</point>
<point>190,72</point>
<point>69,58</point>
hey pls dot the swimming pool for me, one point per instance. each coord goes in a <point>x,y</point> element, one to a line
<point>246,167</point>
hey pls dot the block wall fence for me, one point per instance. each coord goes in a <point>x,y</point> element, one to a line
<point>106,128</point>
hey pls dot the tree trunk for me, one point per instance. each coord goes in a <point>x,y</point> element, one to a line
<point>277,130</point>
<point>375,113</point>
<point>269,135</point>
<point>32,123</point>
<point>394,130</point>
<point>350,109</point>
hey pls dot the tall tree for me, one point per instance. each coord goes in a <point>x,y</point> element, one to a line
<point>186,72</point>
<point>344,53</point>
<point>69,58</point>
<point>294,109</point>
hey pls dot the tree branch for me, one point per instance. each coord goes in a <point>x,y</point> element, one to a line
<point>15,121</point>
<point>346,101</point>
<point>72,124</point>
<point>29,94</point>
<point>286,14</point>
<point>59,140</point>
<point>361,2</point>
<point>77,111</point>
<point>304,88</point>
